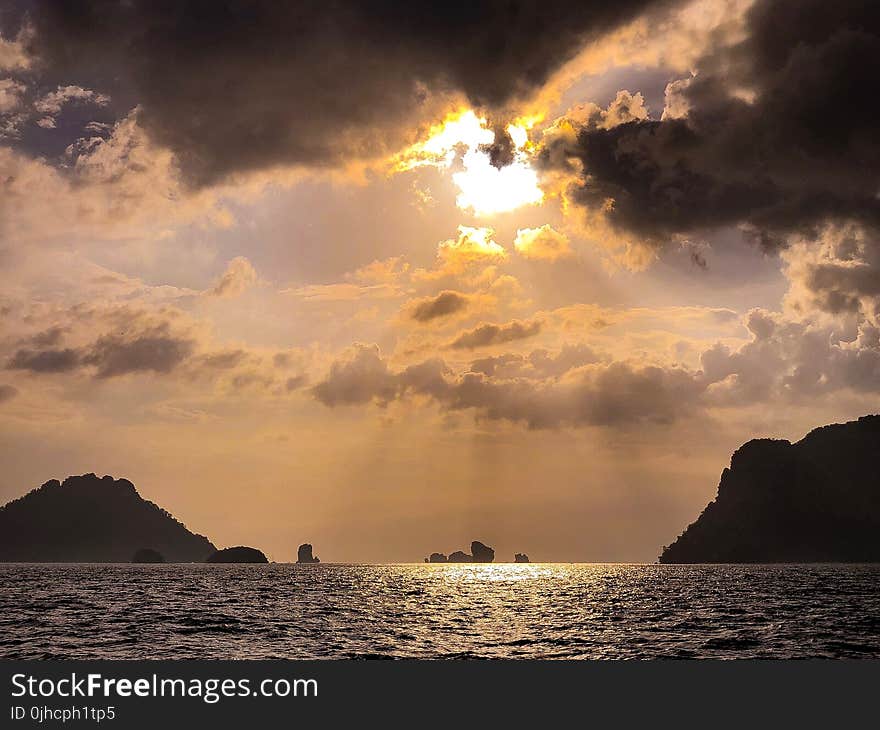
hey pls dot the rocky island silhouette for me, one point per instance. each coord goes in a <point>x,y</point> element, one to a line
<point>816,500</point>
<point>304,554</point>
<point>148,555</point>
<point>91,519</point>
<point>238,554</point>
<point>479,553</point>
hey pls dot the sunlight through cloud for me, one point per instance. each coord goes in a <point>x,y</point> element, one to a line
<point>483,188</point>
<point>487,190</point>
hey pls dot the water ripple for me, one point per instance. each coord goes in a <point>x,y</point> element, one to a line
<point>438,611</point>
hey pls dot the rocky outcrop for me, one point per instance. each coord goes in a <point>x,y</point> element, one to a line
<point>479,553</point>
<point>482,553</point>
<point>147,555</point>
<point>817,500</point>
<point>521,558</point>
<point>239,554</point>
<point>92,519</point>
<point>304,554</point>
<point>459,557</point>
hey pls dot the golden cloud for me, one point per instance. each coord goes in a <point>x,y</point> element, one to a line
<point>544,243</point>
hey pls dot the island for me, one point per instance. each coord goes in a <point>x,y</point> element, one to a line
<point>238,554</point>
<point>304,554</point>
<point>91,519</point>
<point>816,500</point>
<point>460,557</point>
<point>479,553</point>
<point>148,555</point>
<point>521,558</point>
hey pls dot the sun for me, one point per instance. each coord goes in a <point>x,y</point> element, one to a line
<point>487,190</point>
<point>484,189</point>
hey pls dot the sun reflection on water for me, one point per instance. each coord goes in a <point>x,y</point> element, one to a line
<point>496,572</point>
<point>460,610</point>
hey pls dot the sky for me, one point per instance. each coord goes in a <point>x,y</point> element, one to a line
<point>392,281</point>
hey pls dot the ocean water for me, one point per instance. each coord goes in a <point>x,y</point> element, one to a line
<point>557,611</point>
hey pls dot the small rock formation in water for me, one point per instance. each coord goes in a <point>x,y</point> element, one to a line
<point>482,553</point>
<point>239,554</point>
<point>459,557</point>
<point>92,519</point>
<point>816,500</point>
<point>304,554</point>
<point>521,558</point>
<point>148,555</point>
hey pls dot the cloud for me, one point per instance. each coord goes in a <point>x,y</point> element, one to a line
<point>599,394</point>
<point>239,276</point>
<point>473,245</point>
<point>552,365</point>
<point>223,360</point>
<point>387,272</point>
<point>377,280</point>
<point>623,109</point>
<point>626,107</point>
<point>112,188</point>
<point>45,361</point>
<point>360,378</point>
<point>48,337</point>
<point>791,361</point>
<point>133,340</point>
<point>343,292</point>
<point>10,95</point>
<point>90,332</point>
<point>296,382</point>
<point>773,133</point>
<point>232,88</point>
<point>7,392</point>
<point>496,334</point>
<point>445,303</point>
<point>838,273</point>
<point>158,352</point>
<point>473,253</point>
<point>53,102</point>
<point>13,52</point>
<point>544,243</point>
<point>538,364</point>
<point>785,361</point>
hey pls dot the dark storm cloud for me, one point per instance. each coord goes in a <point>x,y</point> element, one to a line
<point>803,151</point>
<point>239,86</point>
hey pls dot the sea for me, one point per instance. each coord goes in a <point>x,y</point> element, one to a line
<point>461,611</point>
